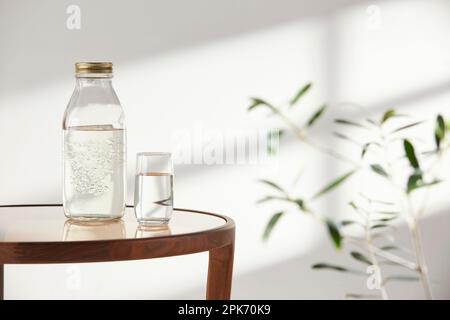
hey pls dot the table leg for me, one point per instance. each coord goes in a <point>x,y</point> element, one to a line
<point>220,272</point>
<point>2,280</point>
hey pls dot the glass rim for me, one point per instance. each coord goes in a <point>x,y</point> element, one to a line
<point>153,153</point>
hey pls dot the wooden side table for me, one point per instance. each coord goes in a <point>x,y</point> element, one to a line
<point>39,234</point>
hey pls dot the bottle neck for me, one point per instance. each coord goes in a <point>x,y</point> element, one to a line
<point>94,80</point>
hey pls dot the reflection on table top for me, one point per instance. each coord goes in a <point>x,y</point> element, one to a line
<point>48,223</point>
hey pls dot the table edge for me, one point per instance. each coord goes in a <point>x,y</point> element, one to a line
<point>120,249</point>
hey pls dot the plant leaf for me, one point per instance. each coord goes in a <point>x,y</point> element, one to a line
<point>334,233</point>
<point>387,248</point>
<point>407,126</point>
<point>273,185</point>
<point>382,235</point>
<point>362,296</point>
<point>349,123</point>
<point>265,199</point>
<point>415,182</point>
<point>432,183</point>
<point>411,154</point>
<point>276,133</point>
<point>346,138</point>
<point>385,219</point>
<point>391,213</point>
<point>439,132</point>
<point>319,266</point>
<point>269,198</point>
<point>401,278</point>
<point>353,205</point>
<point>271,224</point>
<point>366,146</point>
<point>373,122</point>
<point>316,115</point>
<point>256,102</point>
<point>387,115</point>
<point>379,170</point>
<point>333,184</point>
<point>329,266</point>
<point>364,150</point>
<point>301,204</point>
<point>300,93</point>
<point>380,225</point>
<point>347,222</point>
<point>271,136</point>
<point>360,257</point>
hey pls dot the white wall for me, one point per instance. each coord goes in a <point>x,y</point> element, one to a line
<point>180,65</point>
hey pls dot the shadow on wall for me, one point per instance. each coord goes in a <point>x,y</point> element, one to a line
<point>294,278</point>
<point>34,34</point>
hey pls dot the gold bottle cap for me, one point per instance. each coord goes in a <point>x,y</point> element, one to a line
<point>93,67</point>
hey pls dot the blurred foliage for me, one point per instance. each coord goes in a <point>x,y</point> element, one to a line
<point>373,217</point>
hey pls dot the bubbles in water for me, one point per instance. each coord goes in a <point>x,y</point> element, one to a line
<point>94,170</point>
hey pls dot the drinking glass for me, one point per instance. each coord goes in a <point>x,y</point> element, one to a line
<point>153,193</point>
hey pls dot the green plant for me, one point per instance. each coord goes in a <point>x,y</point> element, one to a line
<point>370,231</point>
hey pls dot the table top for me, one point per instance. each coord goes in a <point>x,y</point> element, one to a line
<point>48,223</point>
<point>25,230</point>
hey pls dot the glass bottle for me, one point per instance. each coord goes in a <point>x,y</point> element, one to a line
<point>94,185</point>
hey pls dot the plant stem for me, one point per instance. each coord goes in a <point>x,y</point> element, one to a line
<point>301,135</point>
<point>298,132</point>
<point>330,152</point>
<point>422,209</point>
<point>396,259</point>
<point>417,245</point>
<point>385,151</point>
<point>412,222</point>
<point>413,225</point>
<point>388,256</point>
